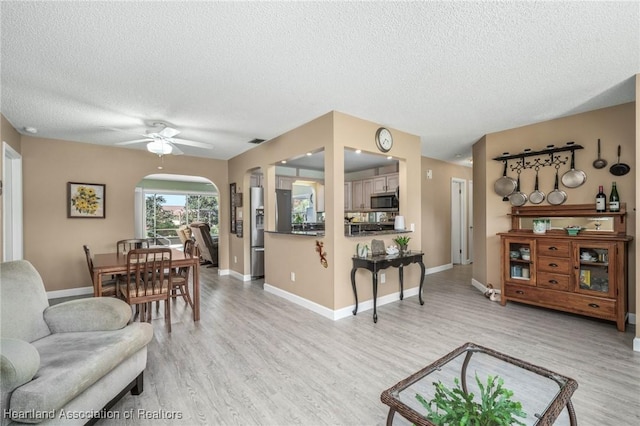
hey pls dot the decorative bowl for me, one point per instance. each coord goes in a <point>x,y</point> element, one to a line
<point>514,254</point>
<point>392,250</point>
<point>573,230</point>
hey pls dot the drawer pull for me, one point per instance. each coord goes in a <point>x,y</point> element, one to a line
<point>519,292</point>
<point>553,265</point>
<point>553,282</point>
<point>594,305</point>
<point>553,248</point>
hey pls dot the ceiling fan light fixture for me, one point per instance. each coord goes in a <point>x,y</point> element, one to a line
<point>159,147</point>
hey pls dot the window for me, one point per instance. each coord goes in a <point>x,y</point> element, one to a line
<point>165,211</point>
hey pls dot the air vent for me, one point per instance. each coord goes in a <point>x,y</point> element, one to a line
<point>256,141</point>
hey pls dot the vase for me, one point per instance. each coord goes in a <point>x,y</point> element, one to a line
<point>403,248</point>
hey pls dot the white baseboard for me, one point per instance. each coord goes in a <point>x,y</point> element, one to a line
<point>347,311</point>
<point>70,292</point>
<point>238,275</point>
<point>636,344</point>
<point>483,288</point>
<point>340,313</point>
<point>632,318</point>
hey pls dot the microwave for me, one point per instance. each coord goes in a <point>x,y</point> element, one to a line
<point>387,201</point>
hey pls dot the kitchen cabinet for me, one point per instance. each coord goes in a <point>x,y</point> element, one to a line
<point>285,182</point>
<point>347,196</point>
<point>584,274</point>
<point>361,190</point>
<point>388,183</point>
<point>256,180</point>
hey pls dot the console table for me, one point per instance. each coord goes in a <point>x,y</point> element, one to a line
<point>543,394</point>
<point>379,262</point>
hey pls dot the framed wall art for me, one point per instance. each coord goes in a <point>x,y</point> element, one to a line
<point>86,200</point>
<point>232,204</point>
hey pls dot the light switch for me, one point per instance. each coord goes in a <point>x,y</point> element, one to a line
<point>429,174</point>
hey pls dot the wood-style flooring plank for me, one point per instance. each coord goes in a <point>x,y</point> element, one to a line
<point>257,359</point>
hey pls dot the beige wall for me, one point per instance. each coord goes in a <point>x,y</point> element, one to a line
<point>636,260</point>
<point>436,209</point>
<point>284,254</point>
<point>614,125</point>
<point>53,243</point>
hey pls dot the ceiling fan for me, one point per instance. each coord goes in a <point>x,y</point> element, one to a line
<point>161,141</point>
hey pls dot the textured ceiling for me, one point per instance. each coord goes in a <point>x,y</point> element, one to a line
<point>227,72</point>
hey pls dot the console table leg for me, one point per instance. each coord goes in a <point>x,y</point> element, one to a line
<point>353,285</point>
<point>401,273</point>
<point>375,296</point>
<point>422,270</point>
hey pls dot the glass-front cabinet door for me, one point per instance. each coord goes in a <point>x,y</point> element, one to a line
<point>594,276</point>
<point>519,269</point>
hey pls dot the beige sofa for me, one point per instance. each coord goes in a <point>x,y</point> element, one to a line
<point>63,364</point>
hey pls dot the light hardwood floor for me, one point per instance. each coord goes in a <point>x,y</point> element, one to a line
<point>257,359</point>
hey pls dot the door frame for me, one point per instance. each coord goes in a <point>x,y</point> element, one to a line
<point>12,225</point>
<point>459,221</point>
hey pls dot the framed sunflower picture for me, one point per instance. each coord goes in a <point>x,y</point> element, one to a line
<point>86,200</point>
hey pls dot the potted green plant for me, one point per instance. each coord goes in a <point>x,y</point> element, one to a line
<point>402,241</point>
<point>456,407</point>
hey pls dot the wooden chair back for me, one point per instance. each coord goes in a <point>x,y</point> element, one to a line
<point>125,246</point>
<point>148,279</point>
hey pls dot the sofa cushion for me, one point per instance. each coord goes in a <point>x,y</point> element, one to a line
<point>88,314</point>
<point>23,299</point>
<point>72,362</point>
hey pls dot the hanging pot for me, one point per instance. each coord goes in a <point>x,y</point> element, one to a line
<point>537,196</point>
<point>556,197</point>
<point>599,163</point>
<point>573,178</point>
<point>518,198</point>
<point>619,169</point>
<point>505,185</point>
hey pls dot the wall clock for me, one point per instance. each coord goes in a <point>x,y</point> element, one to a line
<point>384,139</point>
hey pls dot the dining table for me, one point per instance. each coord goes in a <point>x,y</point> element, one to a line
<point>116,264</point>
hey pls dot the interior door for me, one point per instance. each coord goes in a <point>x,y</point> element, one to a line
<point>12,238</point>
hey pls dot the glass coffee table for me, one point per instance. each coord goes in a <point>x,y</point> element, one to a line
<point>543,394</point>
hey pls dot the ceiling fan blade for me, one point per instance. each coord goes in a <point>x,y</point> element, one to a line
<point>176,150</point>
<point>192,143</point>
<point>135,141</point>
<point>168,132</point>
<point>123,131</point>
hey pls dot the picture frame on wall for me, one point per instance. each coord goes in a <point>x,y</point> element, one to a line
<point>86,200</point>
<point>232,211</point>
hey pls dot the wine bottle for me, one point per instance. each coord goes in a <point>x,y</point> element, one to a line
<point>614,199</point>
<point>601,200</point>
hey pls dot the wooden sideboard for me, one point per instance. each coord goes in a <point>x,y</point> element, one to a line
<point>584,274</point>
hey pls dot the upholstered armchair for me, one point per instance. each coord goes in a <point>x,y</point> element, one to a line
<point>77,356</point>
<point>206,244</point>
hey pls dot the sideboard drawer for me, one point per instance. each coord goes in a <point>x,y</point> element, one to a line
<point>553,248</point>
<point>553,281</point>
<point>557,265</point>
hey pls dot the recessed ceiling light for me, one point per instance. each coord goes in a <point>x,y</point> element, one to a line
<point>309,154</point>
<point>283,162</point>
<point>358,151</point>
<point>31,130</point>
<point>389,158</point>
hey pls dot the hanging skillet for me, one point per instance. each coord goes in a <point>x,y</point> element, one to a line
<point>573,178</point>
<point>619,169</point>
<point>505,185</point>
<point>518,198</point>
<point>556,197</point>
<point>537,196</point>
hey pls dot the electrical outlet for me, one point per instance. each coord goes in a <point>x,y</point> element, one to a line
<point>293,276</point>
<point>412,227</point>
<point>383,278</point>
<point>235,259</point>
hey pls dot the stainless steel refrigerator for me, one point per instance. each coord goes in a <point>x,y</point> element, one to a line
<point>256,206</point>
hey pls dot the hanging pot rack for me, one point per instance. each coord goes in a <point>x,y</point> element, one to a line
<point>539,160</point>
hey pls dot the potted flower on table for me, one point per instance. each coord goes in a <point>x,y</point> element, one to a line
<point>402,241</point>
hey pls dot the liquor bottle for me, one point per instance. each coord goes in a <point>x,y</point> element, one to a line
<point>601,200</point>
<point>614,199</point>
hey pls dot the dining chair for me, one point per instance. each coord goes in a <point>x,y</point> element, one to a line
<point>124,246</point>
<point>108,286</point>
<point>148,279</point>
<point>180,277</point>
